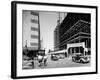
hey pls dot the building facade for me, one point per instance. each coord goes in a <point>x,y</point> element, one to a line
<point>35,28</point>
<point>56,35</point>
<point>75,28</point>
<point>61,17</point>
<point>31,31</point>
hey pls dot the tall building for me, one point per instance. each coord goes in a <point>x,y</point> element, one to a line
<point>75,28</point>
<point>35,28</point>
<point>61,17</point>
<point>56,36</point>
<point>31,30</point>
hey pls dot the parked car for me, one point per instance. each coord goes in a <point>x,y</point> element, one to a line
<point>80,58</point>
<point>54,58</point>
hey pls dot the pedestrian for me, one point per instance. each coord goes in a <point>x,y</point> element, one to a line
<point>45,60</point>
<point>32,64</point>
<point>40,58</point>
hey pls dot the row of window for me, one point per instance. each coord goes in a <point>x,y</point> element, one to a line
<point>34,44</point>
<point>34,36</point>
<point>79,27</point>
<point>34,13</point>
<point>34,21</point>
<point>34,29</point>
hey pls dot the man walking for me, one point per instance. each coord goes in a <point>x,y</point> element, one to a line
<point>40,58</point>
<point>45,60</point>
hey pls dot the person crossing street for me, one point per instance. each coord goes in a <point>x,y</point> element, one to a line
<point>45,60</point>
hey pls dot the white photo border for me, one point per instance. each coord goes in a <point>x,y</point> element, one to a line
<point>20,6</point>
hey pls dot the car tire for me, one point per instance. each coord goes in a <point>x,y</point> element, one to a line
<point>81,61</point>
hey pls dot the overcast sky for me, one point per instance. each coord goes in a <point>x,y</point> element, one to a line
<point>48,22</point>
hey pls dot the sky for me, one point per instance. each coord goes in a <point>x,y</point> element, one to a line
<point>48,22</point>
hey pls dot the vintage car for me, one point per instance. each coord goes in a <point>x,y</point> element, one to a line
<point>80,58</point>
<point>54,57</point>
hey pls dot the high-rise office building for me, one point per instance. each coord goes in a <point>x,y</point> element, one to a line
<point>31,29</point>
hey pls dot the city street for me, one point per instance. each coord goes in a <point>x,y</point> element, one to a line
<point>66,62</point>
<point>75,38</point>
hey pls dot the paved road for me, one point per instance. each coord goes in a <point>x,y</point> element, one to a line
<point>66,62</point>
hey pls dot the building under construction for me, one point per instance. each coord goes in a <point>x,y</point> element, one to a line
<point>75,28</point>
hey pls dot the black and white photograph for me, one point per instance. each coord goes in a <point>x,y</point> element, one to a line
<point>56,39</point>
<point>53,39</point>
